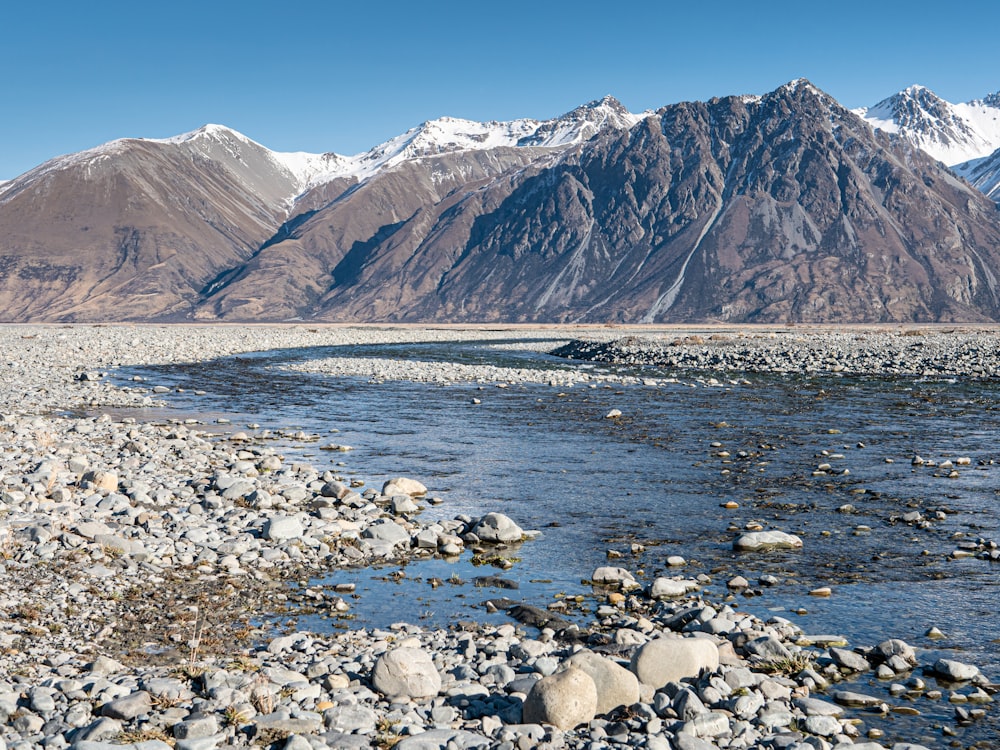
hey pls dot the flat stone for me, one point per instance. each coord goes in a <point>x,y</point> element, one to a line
<point>129,707</point>
<point>955,671</point>
<point>759,541</point>
<point>439,739</point>
<point>856,700</point>
<point>849,660</point>
<point>283,528</point>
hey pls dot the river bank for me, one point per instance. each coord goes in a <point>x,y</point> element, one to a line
<point>141,559</point>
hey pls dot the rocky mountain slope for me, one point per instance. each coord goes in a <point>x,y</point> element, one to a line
<point>964,136</point>
<point>782,207</point>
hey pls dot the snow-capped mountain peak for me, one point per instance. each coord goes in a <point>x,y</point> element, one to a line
<point>951,133</point>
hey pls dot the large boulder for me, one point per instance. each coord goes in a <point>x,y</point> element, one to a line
<point>616,686</point>
<point>760,541</point>
<point>664,660</point>
<point>498,529</point>
<point>564,699</point>
<point>406,673</point>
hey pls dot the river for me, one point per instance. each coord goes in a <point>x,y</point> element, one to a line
<point>658,477</point>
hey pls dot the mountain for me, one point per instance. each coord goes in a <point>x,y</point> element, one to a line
<point>951,133</point>
<point>983,174</point>
<point>774,208</point>
<point>140,229</point>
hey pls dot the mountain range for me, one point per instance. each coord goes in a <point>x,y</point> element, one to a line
<point>782,207</point>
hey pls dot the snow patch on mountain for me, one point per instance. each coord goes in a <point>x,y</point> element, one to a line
<point>951,133</point>
<point>451,134</point>
<point>983,174</point>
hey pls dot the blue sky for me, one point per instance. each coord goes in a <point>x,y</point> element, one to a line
<point>333,76</point>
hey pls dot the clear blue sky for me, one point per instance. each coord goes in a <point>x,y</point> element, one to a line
<point>336,76</point>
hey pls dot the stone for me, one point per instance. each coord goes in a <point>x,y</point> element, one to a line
<point>760,541</point>
<point>847,659</point>
<point>102,480</point>
<point>669,588</point>
<point>955,671</point>
<point>611,576</point>
<point>283,528</point>
<point>439,739</point>
<point>895,648</point>
<point>664,660</point>
<point>817,707</point>
<point>406,672</point>
<point>497,528</point>
<point>856,700</point>
<point>350,719</point>
<point>824,726</point>
<point>129,707</point>
<point>196,728</point>
<point>403,486</point>
<point>385,530</point>
<point>616,686</point>
<point>768,648</point>
<point>403,504</point>
<point>564,699</point>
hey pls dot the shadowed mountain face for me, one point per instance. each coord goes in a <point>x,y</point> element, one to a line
<point>785,207</point>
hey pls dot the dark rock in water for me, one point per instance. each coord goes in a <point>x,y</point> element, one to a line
<point>536,617</point>
<point>495,582</point>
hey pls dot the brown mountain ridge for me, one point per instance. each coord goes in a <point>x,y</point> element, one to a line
<point>780,208</point>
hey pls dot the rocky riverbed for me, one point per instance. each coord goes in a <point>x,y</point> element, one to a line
<point>149,571</point>
<point>912,352</point>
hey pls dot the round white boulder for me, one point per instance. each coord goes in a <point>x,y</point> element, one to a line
<point>616,686</point>
<point>664,660</point>
<point>563,699</point>
<point>406,673</point>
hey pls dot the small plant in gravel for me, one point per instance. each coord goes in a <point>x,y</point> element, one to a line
<point>790,666</point>
<point>135,736</point>
<point>386,735</point>
<point>234,717</point>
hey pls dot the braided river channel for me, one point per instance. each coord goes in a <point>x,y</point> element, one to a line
<point>903,547</point>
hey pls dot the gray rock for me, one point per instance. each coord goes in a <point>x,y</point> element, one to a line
<point>350,719</point>
<point>817,707</point>
<point>283,528</point>
<point>406,673</point>
<point>497,528</point>
<point>196,728</point>
<point>403,486</point>
<point>768,648</point>
<point>440,739</point>
<point>710,724</point>
<point>847,659</point>
<point>387,531</point>
<point>129,707</point>
<point>564,699</point>
<point>664,660</point>
<point>612,576</point>
<point>856,700</point>
<point>955,671</point>
<point>758,541</point>
<point>824,726</point>
<point>616,686</point>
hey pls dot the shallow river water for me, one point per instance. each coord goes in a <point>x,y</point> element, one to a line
<point>550,459</point>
